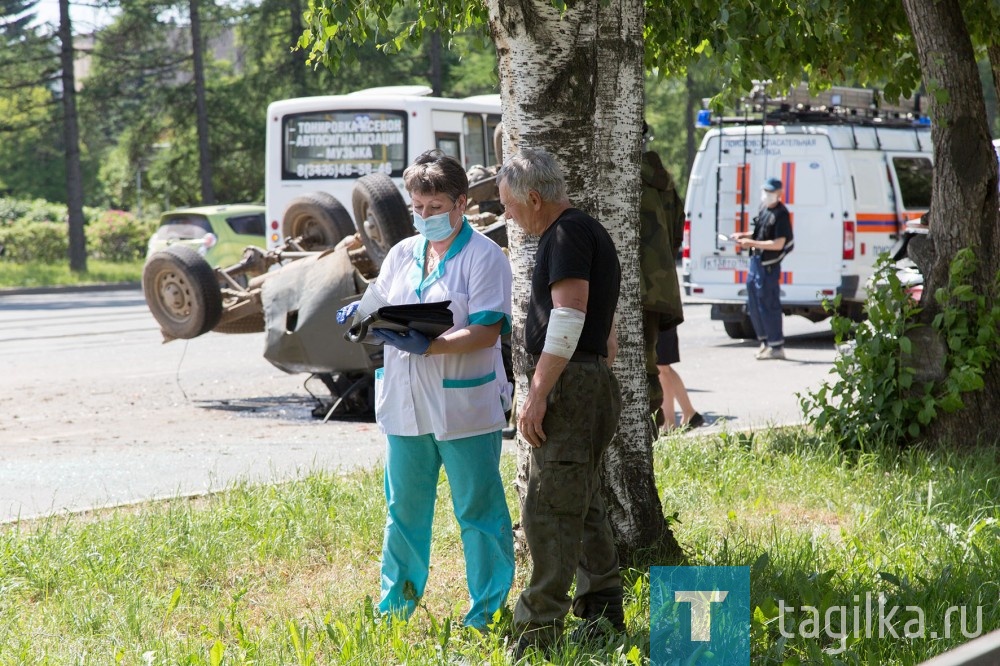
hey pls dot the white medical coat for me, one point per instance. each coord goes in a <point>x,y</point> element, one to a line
<point>448,395</point>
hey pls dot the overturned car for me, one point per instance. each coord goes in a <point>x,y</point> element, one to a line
<point>292,292</point>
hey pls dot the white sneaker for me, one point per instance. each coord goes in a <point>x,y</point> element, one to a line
<point>772,354</point>
<point>762,349</point>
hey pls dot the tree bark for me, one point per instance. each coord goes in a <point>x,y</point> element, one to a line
<point>571,82</point>
<point>965,182</point>
<point>297,57</point>
<point>201,108</point>
<point>436,73</point>
<point>71,135</point>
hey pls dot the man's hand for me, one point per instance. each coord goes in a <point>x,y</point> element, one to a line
<point>412,342</point>
<point>346,312</point>
<point>529,420</point>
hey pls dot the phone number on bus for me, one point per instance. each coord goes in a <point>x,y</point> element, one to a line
<point>342,170</point>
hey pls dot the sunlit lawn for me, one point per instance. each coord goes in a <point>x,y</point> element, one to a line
<point>286,574</point>
<point>48,275</point>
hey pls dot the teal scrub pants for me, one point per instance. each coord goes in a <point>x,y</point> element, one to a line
<point>472,465</point>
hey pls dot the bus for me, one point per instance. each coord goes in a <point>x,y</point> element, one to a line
<point>318,147</point>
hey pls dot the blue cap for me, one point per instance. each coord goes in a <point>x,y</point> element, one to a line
<point>772,185</point>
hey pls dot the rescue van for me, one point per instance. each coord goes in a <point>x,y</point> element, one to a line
<point>852,177</point>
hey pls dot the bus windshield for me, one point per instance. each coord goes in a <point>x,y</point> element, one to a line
<point>343,144</point>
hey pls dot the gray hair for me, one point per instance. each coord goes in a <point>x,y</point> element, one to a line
<point>533,169</point>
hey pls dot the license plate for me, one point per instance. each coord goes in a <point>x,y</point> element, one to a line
<point>725,263</point>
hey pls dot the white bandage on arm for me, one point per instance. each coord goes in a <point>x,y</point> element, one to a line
<point>565,326</point>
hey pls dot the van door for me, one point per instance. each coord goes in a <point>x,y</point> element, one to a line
<point>813,193</point>
<point>875,220</point>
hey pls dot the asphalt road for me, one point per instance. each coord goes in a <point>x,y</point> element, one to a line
<point>96,411</point>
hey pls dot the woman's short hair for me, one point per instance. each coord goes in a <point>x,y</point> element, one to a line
<point>533,169</point>
<point>433,172</point>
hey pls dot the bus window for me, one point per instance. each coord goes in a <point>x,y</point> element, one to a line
<point>448,144</point>
<point>472,127</point>
<point>491,127</point>
<point>343,144</point>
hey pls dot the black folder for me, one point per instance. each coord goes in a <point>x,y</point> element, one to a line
<point>431,319</point>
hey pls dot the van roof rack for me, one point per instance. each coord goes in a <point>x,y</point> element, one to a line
<point>834,106</point>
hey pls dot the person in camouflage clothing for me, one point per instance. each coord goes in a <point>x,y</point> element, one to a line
<point>661,228</point>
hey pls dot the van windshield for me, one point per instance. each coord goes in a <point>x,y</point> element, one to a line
<point>343,144</point>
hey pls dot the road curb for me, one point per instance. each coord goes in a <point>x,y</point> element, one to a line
<point>104,286</point>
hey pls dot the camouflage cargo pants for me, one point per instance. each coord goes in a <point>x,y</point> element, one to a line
<point>564,518</point>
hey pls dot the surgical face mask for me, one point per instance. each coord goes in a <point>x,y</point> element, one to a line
<point>435,228</point>
<point>768,198</point>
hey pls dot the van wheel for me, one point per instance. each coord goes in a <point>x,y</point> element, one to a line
<point>740,330</point>
<point>319,218</point>
<point>182,292</point>
<point>383,216</point>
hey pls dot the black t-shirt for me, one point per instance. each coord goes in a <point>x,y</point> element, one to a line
<point>575,246</point>
<point>773,223</point>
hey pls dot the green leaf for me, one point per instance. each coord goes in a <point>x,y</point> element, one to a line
<point>216,653</point>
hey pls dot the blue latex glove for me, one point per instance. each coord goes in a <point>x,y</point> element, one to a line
<point>345,313</point>
<point>412,342</point>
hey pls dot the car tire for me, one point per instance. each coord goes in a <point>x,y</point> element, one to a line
<point>252,323</point>
<point>182,292</point>
<point>740,329</point>
<point>382,215</point>
<point>319,218</point>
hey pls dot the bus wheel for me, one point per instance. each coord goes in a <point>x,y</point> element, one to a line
<point>740,329</point>
<point>383,216</point>
<point>182,292</point>
<point>319,219</point>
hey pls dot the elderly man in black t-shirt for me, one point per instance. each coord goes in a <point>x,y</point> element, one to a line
<point>571,412</point>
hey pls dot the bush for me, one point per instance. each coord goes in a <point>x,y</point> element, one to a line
<point>877,394</point>
<point>14,211</point>
<point>118,236</point>
<point>35,241</point>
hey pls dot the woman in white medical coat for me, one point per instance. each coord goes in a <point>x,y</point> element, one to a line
<point>441,402</point>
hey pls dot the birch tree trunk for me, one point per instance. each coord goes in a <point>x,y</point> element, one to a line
<point>571,82</point>
<point>965,182</point>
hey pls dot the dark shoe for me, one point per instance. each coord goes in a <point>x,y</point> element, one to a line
<point>696,421</point>
<point>595,630</point>
<point>527,642</point>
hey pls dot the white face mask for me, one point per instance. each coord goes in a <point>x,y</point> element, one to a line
<point>768,198</point>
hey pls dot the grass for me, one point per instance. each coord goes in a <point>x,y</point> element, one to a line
<point>37,274</point>
<point>286,574</point>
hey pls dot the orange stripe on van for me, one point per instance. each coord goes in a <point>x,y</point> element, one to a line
<point>740,277</point>
<point>876,223</point>
<point>743,184</point>
<point>788,178</point>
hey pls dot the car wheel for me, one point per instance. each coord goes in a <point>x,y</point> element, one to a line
<point>740,329</point>
<point>252,323</point>
<point>382,215</point>
<point>319,219</point>
<point>182,291</point>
